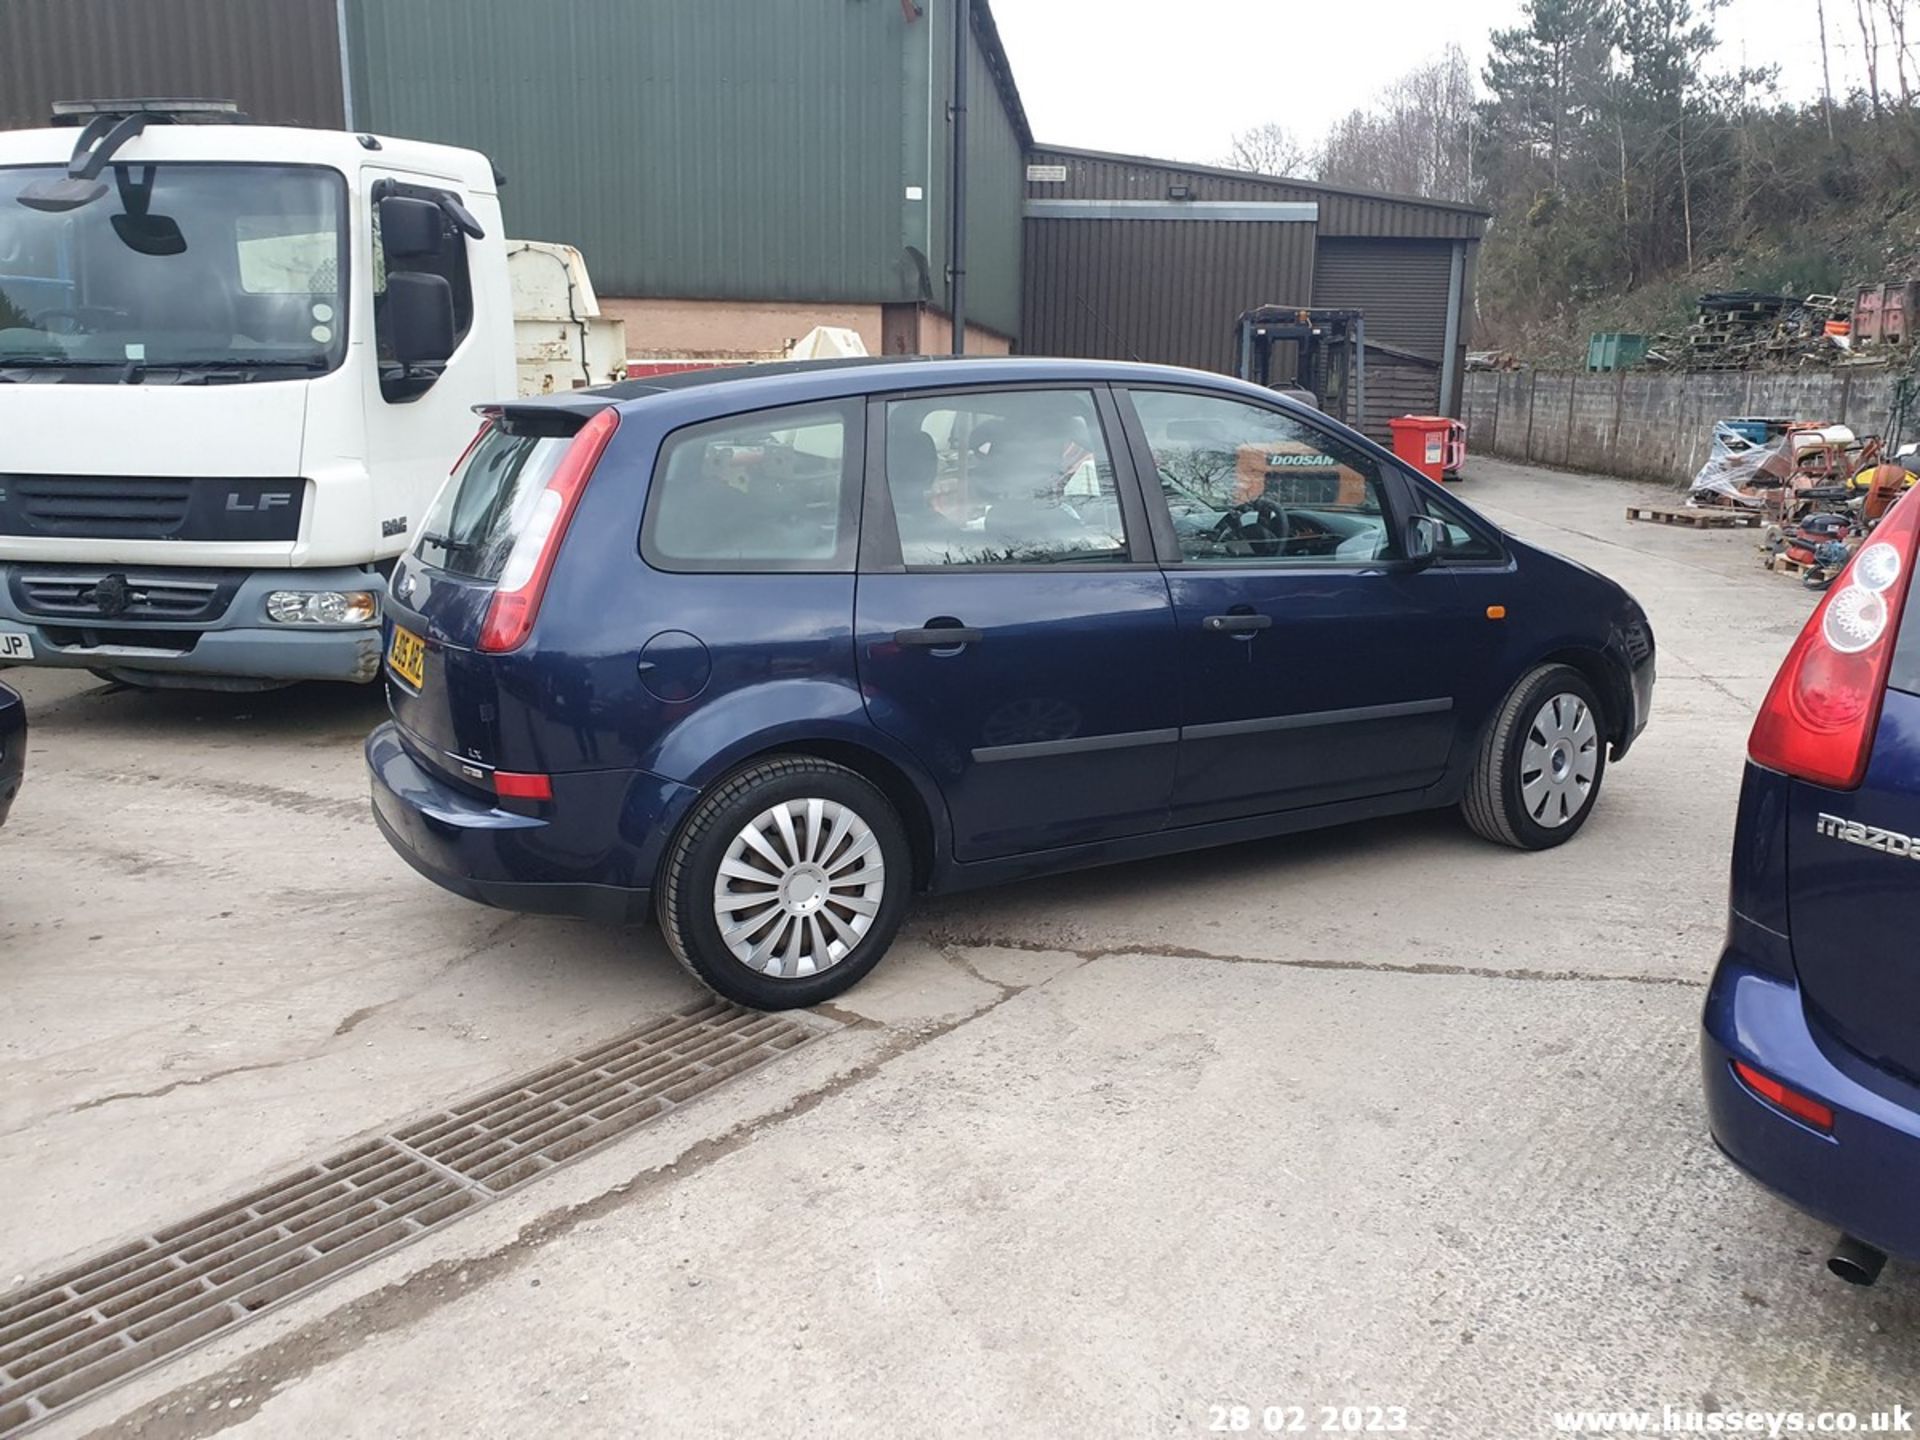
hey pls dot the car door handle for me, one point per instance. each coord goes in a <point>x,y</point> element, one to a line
<point>1234,624</point>
<point>938,637</point>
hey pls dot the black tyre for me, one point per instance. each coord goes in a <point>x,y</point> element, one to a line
<point>1541,762</point>
<point>786,884</point>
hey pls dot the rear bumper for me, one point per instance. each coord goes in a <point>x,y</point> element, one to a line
<point>1860,1179</point>
<point>593,853</point>
<point>241,644</point>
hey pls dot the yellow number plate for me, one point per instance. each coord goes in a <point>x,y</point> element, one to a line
<point>408,656</point>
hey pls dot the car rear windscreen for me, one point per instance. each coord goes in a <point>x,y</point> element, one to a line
<point>482,509</point>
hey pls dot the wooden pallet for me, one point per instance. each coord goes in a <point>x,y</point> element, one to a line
<point>1700,518</point>
<point>1781,565</point>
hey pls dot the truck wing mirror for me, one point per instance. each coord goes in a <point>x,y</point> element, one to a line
<point>461,217</point>
<point>419,314</point>
<point>411,229</point>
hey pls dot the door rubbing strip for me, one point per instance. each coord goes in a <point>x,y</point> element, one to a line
<point>65,1338</point>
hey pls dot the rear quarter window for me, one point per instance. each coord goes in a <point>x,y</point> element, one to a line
<point>770,490</point>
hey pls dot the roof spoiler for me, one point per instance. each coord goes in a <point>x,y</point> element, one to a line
<point>560,414</point>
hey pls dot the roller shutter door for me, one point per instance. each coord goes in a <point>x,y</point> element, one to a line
<point>1400,284</point>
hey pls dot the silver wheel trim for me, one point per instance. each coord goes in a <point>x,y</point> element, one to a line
<point>1559,758</point>
<point>799,887</point>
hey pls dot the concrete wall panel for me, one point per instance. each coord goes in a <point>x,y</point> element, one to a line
<point>1649,426</point>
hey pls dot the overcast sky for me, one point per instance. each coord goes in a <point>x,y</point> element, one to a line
<point>1176,78</point>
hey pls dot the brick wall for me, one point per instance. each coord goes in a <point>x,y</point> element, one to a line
<point>1649,426</point>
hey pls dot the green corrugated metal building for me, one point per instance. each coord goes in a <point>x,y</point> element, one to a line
<point>729,150</point>
<point>738,171</point>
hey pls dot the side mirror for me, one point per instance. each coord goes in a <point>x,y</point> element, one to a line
<point>411,229</point>
<point>419,316</point>
<point>1425,536</point>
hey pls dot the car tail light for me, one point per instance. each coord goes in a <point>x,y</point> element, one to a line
<point>1801,1107</point>
<point>1818,720</point>
<point>516,600</point>
<point>512,786</point>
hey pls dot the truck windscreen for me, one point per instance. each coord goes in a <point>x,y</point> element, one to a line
<point>234,270</point>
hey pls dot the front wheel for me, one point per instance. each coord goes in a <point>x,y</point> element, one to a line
<point>1541,762</point>
<point>787,883</point>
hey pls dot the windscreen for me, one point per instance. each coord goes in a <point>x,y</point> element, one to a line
<point>487,502</point>
<point>207,267</point>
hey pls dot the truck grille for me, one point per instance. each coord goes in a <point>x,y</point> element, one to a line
<point>74,593</point>
<point>116,507</point>
<point>96,508</point>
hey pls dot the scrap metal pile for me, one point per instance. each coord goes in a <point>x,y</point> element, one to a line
<point>1755,330</point>
<point>1821,487</point>
<point>1748,330</point>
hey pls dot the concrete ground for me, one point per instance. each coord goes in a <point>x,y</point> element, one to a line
<point>1380,1116</point>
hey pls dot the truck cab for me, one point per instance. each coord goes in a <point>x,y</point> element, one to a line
<point>236,362</point>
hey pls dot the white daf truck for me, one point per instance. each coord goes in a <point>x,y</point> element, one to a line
<point>236,362</point>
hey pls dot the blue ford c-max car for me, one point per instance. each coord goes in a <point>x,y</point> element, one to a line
<point>1811,1048</point>
<point>765,651</point>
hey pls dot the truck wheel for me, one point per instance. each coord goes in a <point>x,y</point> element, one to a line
<point>1541,762</point>
<point>786,884</point>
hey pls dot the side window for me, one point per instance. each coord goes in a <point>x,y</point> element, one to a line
<point>1249,485</point>
<point>1012,477</point>
<point>1467,539</point>
<point>449,263</point>
<point>767,491</point>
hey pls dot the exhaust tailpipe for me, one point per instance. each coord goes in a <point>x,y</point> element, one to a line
<point>1855,1261</point>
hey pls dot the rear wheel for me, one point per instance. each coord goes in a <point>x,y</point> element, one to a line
<point>1541,762</point>
<point>787,883</point>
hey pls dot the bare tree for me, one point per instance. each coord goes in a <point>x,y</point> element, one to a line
<point>1626,192</point>
<point>1869,50</point>
<point>1826,73</point>
<point>1415,141</point>
<point>1897,27</point>
<point>1268,149</point>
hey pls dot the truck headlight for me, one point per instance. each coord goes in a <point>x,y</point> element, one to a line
<point>323,607</point>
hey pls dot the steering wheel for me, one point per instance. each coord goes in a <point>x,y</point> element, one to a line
<point>1261,525</point>
<point>81,319</point>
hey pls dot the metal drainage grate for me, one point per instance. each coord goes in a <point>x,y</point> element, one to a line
<point>69,1336</point>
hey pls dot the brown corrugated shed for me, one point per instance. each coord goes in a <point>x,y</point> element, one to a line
<point>1100,175</point>
<point>278,59</point>
<point>1164,303</point>
<point>1131,257</point>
